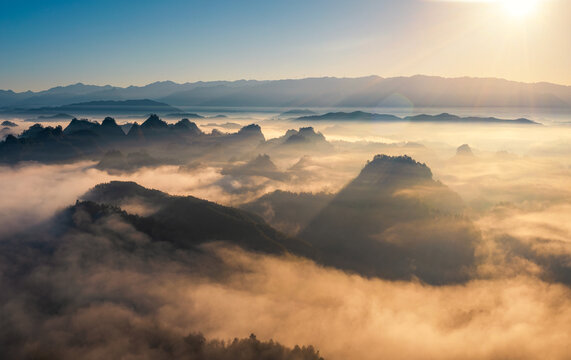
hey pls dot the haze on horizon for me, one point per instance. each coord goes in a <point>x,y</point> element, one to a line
<point>132,43</point>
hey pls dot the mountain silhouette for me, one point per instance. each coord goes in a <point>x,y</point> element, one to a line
<point>306,139</point>
<point>110,128</point>
<point>106,132</point>
<point>261,165</point>
<point>422,118</point>
<point>8,123</point>
<point>355,115</point>
<point>183,115</point>
<point>295,113</point>
<point>154,122</point>
<point>449,118</point>
<point>464,150</point>
<point>151,128</point>
<point>85,139</point>
<point>370,91</point>
<point>115,161</point>
<point>304,135</point>
<point>79,125</point>
<point>187,126</point>
<point>251,131</point>
<point>108,106</point>
<point>394,221</point>
<point>54,118</point>
<point>49,271</point>
<point>287,211</point>
<point>187,222</point>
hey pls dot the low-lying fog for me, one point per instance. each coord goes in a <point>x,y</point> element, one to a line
<point>514,179</point>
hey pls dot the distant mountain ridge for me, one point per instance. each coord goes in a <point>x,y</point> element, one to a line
<point>370,91</point>
<point>443,118</point>
<point>105,106</point>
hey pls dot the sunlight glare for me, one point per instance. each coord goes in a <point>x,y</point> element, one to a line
<point>520,8</point>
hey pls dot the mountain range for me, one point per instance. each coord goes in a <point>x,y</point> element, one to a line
<point>440,118</point>
<point>392,221</point>
<point>144,106</point>
<point>86,139</point>
<point>371,91</point>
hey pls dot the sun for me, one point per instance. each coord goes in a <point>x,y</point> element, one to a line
<point>520,8</point>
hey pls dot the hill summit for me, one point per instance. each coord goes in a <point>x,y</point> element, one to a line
<point>395,222</point>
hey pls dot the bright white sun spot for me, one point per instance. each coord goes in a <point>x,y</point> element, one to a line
<point>520,8</point>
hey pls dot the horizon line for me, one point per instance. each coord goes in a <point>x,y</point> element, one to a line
<point>293,78</point>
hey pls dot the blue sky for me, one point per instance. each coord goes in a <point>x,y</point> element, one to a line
<point>49,43</point>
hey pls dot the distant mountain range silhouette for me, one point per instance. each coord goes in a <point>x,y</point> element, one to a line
<point>56,117</point>
<point>371,91</point>
<point>441,118</point>
<point>144,106</point>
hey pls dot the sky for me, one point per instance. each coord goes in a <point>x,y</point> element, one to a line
<point>50,43</point>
